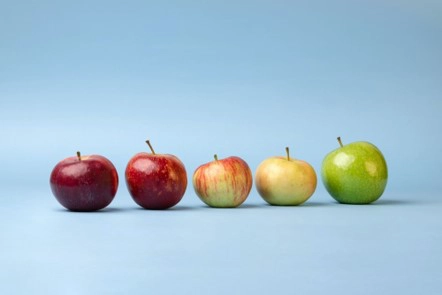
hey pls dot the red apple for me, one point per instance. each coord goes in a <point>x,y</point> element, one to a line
<point>156,181</point>
<point>84,183</point>
<point>223,183</point>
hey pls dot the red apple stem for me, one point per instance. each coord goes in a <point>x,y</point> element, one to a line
<point>340,142</point>
<point>150,146</point>
<point>287,152</point>
<point>216,157</point>
<point>79,156</point>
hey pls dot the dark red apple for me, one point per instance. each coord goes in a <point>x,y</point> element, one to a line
<point>84,183</point>
<point>156,181</point>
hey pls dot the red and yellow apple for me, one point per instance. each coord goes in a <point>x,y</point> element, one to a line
<point>285,181</point>
<point>156,181</point>
<point>223,183</point>
<point>84,183</point>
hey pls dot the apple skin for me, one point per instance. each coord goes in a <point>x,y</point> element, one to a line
<point>224,183</point>
<point>355,173</point>
<point>156,181</point>
<point>86,184</point>
<point>285,182</point>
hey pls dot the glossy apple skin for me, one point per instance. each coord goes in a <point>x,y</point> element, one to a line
<point>89,184</point>
<point>224,183</point>
<point>284,182</point>
<point>355,173</point>
<point>156,181</point>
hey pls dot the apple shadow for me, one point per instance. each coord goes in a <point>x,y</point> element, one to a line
<point>306,204</point>
<point>392,202</point>
<point>104,210</point>
<point>247,206</point>
<point>112,209</point>
<point>381,203</point>
<point>315,204</point>
<point>175,208</point>
<point>243,206</point>
<point>181,208</point>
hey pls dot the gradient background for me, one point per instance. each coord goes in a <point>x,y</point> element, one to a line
<point>243,78</point>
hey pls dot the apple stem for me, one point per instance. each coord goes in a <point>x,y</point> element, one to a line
<point>150,146</point>
<point>79,156</point>
<point>216,157</point>
<point>340,142</point>
<point>287,152</point>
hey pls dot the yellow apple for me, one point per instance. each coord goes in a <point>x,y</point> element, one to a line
<point>285,181</point>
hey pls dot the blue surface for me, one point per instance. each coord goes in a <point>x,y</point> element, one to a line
<point>243,78</point>
<point>392,246</point>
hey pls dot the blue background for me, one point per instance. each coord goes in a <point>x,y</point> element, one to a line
<point>243,78</point>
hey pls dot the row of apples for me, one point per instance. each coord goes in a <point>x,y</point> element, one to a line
<point>355,173</point>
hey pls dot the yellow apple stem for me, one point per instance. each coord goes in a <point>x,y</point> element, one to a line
<point>216,157</point>
<point>79,156</point>
<point>287,152</point>
<point>340,142</point>
<point>150,146</point>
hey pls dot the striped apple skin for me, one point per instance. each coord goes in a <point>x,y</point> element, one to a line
<point>224,183</point>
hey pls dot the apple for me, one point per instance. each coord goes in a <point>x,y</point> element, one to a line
<point>285,181</point>
<point>224,183</point>
<point>355,173</point>
<point>84,183</point>
<point>156,181</point>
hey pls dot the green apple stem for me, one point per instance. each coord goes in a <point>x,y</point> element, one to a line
<point>216,157</point>
<point>287,152</point>
<point>150,146</point>
<point>340,142</point>
<point>79,156</point>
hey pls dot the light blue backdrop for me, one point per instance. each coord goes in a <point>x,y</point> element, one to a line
<point>243,78</point>
<point>239,78</point>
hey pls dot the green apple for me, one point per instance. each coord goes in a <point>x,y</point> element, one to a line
<point>355,173</point>
<point>285,181</point>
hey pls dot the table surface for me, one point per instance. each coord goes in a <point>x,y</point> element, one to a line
<point>390,247</point>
